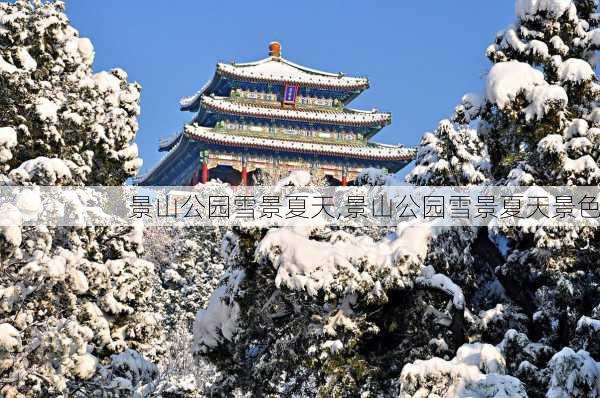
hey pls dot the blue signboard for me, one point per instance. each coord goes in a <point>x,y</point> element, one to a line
<point>289,94</point>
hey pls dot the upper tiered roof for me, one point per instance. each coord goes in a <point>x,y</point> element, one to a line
<point>345,117</point>
<point>278,70</point>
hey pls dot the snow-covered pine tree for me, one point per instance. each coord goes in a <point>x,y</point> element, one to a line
<point>538,122</point>
<point>541,124</point>
<point>453,154</point>
<point>540,116</point>
<point>69,297</point>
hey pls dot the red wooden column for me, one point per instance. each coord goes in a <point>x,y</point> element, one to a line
<point>204,171</point>
<point>344,177</point>
<point>244,172</point>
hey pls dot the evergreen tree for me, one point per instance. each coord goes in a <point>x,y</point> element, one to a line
<point>453,154</point>
<point>70,298</point>
<point>539,123</point>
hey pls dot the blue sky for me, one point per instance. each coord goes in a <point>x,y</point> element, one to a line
<point>420,56</point>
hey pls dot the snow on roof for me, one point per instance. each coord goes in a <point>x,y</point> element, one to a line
<point>278,69</point>
<point>187,102</point>
<point>366,152</point>
<point>346,117</point>
<point>164,144</point>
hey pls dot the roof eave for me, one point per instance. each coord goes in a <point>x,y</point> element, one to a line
<point>194,105</point>
<point>404,158</point>
<point>374,124</point>
<point>359,86</point>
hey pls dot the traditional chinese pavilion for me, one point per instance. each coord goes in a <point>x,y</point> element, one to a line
<point>276,116</point>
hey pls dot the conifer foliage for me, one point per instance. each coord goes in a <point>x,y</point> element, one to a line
<point>75,310</point>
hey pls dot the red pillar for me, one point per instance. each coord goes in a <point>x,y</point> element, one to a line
<point>344,177</point>
<point>244,176</point>
<point>244,181</point>
<point>204,172</point>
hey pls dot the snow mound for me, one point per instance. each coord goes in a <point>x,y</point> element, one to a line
<point>372,176</point>
<point>587,322</point>
<point>10,338</point>
<point>507,79</point>
<point>476,371</point>
<point>578,166</point>
<point>8,140</point>
<point>551,144</point>
<point>106,81</point>
<point>306,264</point>
<point>8,137</point>
<point>297,178</point>
<point>29,203</point>
<point>573,374</point>
<point>10,224</point>
<point>133,373</point>
<point>542,97</point>
<point>442,282</point>
<point>86,50</point>
<point>26,59</point>
<point>85,365</point>
<point>575,70</point>
<point>46,110</point>
<point>526,8</point>
<point>52,169</point>
<point>220,318</point>
<point>6,67</point>
<point>577,128</point>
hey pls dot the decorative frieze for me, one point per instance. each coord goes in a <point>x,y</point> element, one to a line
<point>253,95</point>
<point>307,101</point>
<point>345,137</point>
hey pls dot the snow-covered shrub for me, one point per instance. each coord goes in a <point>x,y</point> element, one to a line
<point>190,265</point>
<point>477,370</point>
<point>573,374</point>
<point>373,177</point>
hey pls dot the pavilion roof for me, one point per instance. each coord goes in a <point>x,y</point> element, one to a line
<point>278,70</point>
<point>348,117</point>
<point>281,70</point>
<point>371,152</point>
